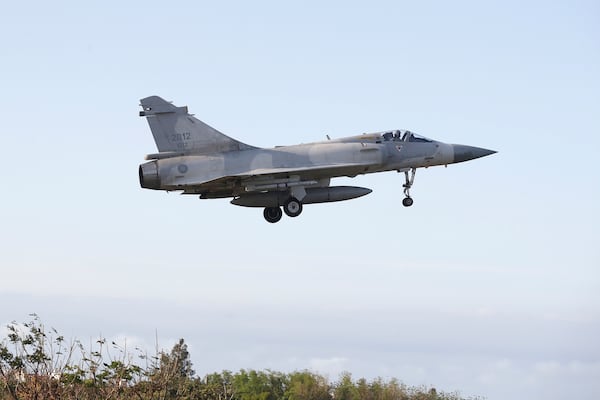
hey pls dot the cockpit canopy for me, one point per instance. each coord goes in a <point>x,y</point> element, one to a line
<point>403,136</point>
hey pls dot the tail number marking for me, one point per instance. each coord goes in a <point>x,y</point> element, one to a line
<point>180,137</point>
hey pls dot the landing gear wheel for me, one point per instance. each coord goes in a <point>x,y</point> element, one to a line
<point>272,214</point>
<point>407,202</point>
<point>292,207</point>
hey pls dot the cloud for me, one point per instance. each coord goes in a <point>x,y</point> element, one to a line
<point>575,369</point>
<point>332,366</point>
<point>549,379</point>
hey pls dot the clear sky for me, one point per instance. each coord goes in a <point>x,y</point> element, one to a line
<point>489,284</point>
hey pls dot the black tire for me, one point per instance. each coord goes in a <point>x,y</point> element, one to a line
<point>407,202</point>
<point>272,214</point>
<point>292,207</point>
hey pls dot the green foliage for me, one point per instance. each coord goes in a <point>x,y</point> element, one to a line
<point>36,363</point>
<point>257,385</point>
<point>307,385</point>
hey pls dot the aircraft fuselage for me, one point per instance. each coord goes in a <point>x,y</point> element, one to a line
<point>195,158</point>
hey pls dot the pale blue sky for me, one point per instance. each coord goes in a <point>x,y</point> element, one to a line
<point>489,284</point>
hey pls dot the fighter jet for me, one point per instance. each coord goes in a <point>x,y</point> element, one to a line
<point>196,159</point>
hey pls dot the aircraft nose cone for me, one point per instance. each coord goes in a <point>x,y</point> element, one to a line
<point>466,153</point>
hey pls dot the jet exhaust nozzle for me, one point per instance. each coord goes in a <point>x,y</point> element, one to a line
<point>149,177</point>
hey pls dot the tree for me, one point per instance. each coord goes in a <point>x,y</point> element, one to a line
<point>218,386</point>
<point>258,385</point>
<point>179,360</point>
<point>32,361</point>
<point>345,389</point>
<point>173,376</point>
<point>306,385</point>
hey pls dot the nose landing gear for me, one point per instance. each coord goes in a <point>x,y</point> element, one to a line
<point>408,201</point>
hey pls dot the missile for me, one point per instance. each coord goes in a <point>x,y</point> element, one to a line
<point>313,195</point>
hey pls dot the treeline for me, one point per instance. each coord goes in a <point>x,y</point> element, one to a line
<point>40,364</point>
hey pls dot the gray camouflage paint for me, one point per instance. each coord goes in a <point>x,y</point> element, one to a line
<point>197,159</point>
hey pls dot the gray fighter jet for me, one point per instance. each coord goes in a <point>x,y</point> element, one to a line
<point>195,158</point>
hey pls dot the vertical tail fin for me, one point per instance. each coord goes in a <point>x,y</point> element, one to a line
<point>175,130</point>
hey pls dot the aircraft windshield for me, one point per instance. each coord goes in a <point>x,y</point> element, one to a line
<point>403,136</point>
<point>413,137</point>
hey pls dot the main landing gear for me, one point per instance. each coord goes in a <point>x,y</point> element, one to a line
<point>272,214</point>
<point>408,201</point>
<point>292,208</point>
